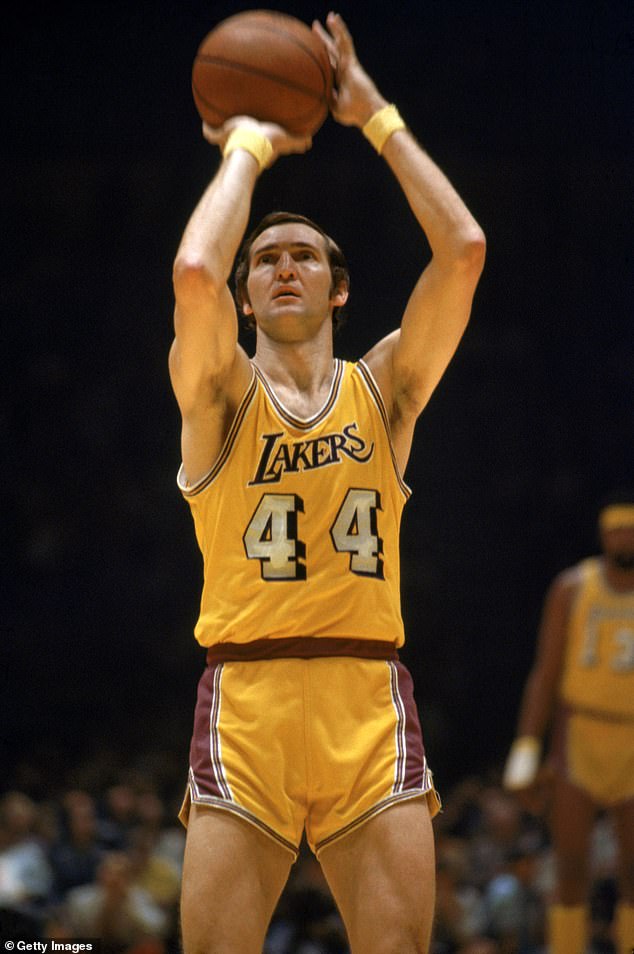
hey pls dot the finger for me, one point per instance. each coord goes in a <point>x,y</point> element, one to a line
<point>340,32</point>
<point>213,134</point>
<point>328,42</point>
<point>301,143</point>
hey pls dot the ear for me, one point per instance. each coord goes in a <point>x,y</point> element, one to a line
<point>340,296</point>
<point>246,307</point>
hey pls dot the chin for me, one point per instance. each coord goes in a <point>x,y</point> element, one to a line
<point>622,560</point>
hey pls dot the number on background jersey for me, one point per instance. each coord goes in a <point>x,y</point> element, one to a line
<point>623,660</point>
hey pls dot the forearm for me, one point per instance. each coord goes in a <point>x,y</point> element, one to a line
<point>538,704</point>
<point>521,769</point>
<point>453,234</point>
<point>216,227</point>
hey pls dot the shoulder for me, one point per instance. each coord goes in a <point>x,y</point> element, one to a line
<point>564,588</point>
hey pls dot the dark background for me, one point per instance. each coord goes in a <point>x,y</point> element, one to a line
<point>527,107</point>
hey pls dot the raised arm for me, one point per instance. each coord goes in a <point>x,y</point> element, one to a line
<point>410,361</point>
<point>542,686</point>
<point>209,370</point>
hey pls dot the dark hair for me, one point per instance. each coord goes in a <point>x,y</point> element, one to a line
<point>336,258</point>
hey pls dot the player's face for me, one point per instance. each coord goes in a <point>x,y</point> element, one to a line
<point>618,546</point>
<point>290,281</point>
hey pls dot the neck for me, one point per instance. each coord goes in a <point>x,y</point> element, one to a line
<point>306,366</point>
<point>619,579</point>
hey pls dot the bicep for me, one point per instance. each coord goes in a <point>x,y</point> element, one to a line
<point>409,362</point>
<point>205,344</point>
<point>553,628</point>
<point>433,324</point>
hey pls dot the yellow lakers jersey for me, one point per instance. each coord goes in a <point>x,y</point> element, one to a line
<point>599,664</point>
<point>298,520</point>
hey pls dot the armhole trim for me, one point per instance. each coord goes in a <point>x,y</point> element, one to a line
<point>375,393</point>
<point>190,490</point>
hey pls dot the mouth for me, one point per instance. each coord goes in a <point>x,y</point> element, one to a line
<point>285,293</point>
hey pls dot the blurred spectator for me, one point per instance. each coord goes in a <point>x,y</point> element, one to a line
<point>460,913</point>
<point>76,854</point>
<point>166,836</point>
<point>116,910</point>
<point>117,816</point>
<point>307,920</point>
<point>158,877</point>
<point>515,911</point>
<point>497,834</point>
<point>26,879</point>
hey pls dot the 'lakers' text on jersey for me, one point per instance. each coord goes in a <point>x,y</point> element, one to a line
<point>599,665</point>
<point>298,520</point>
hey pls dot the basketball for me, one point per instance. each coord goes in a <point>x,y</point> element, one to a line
<point>267,65</point>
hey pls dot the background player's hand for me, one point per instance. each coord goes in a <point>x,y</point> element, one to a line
<point>355,98</point>
<point>282,141</point>
<point>536,797</point>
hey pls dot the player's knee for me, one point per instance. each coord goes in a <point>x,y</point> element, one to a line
<point>406,939</point>
<point>573,880</point>
<point>400,931</point>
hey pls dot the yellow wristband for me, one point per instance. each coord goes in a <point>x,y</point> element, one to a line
<point>380,127</point>
<point>251,141</point>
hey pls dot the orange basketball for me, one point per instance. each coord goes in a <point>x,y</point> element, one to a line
<point>263,64</point>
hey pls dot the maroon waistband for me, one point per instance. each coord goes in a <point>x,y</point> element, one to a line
<point>598,714</point>
<point>301,647</point>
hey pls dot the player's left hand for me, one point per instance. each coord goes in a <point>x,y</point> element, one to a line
<point>355,97</point>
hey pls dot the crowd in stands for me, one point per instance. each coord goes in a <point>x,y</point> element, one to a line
<point>101,857</point>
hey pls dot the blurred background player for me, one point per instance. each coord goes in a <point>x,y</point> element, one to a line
<point>583,682</point>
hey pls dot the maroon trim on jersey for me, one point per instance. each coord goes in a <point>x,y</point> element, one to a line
<point>205,758</point>
<point>370,813</point>
<point>301,647</point>
<point>297,422</point>
<point>245,403</point>
<point>377,397</point>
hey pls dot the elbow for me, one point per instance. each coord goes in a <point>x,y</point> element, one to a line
<point>192,280</point>
<point>470,251</point>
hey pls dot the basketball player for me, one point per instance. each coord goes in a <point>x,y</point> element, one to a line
<point>293,465</point>
<point>584,675</point>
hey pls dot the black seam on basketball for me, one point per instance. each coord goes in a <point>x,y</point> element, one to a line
<point>243,67</point>
<point>291,36</point>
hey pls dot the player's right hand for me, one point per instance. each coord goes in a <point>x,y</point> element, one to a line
<point>522,764</point>
<point>283,142</point>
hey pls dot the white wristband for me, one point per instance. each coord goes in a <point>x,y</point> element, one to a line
<point>522,763</point>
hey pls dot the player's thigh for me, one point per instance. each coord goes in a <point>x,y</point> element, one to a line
<point>573,814</point>
<point>623,817</point>
<point>233,876</point>
<point>382,877</point>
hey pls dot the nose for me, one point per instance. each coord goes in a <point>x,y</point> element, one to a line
<point>286,265</point>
